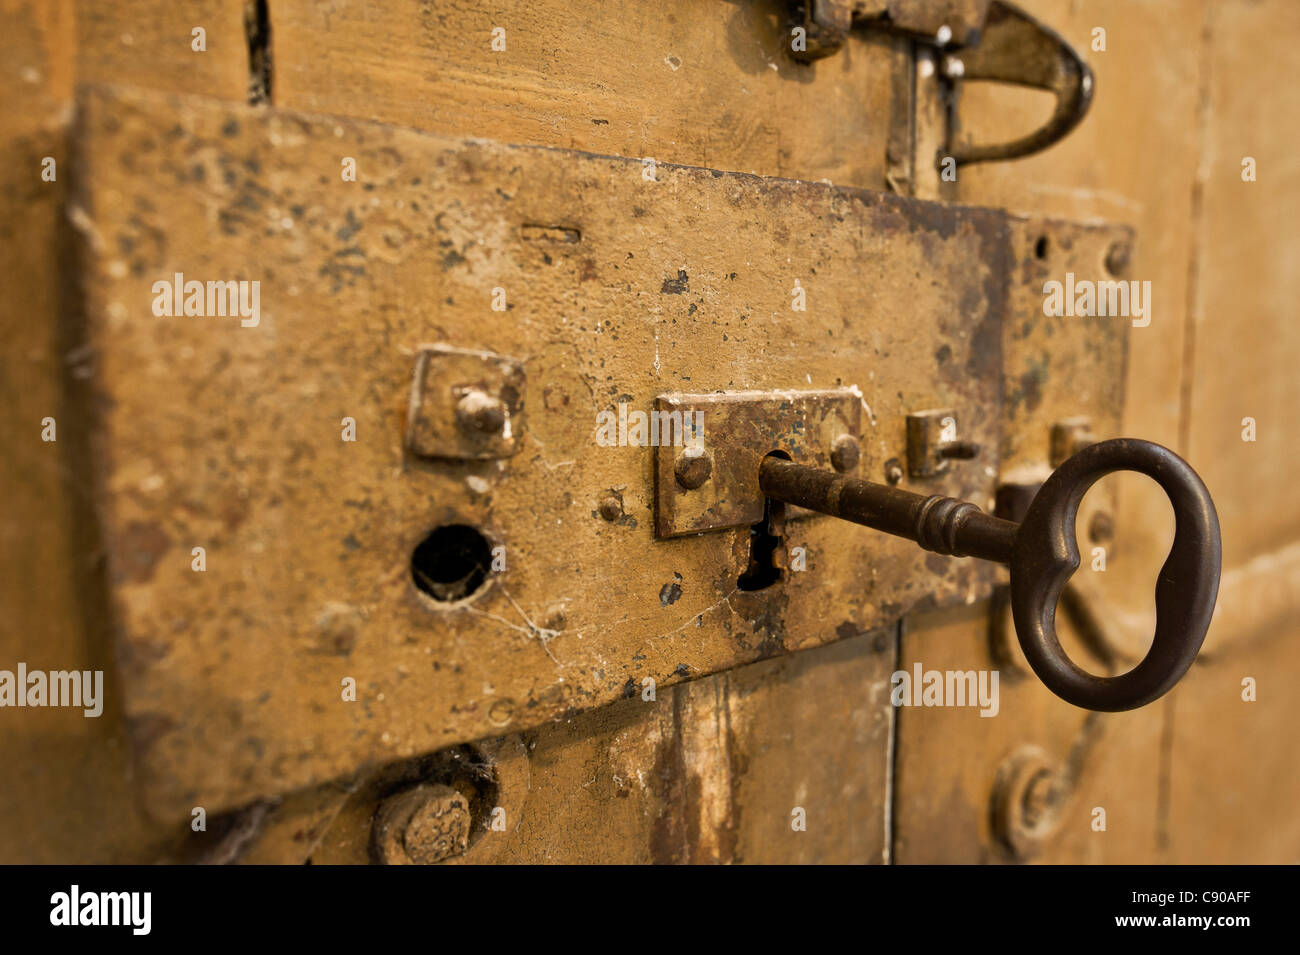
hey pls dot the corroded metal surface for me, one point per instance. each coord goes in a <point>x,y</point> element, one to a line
<point>227,437</point>
<point>1054,370</point>
<point>735,431</point>
<point>423,825</point>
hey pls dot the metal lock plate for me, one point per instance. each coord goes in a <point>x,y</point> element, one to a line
<point>735,431</point>
<point>620,289</point>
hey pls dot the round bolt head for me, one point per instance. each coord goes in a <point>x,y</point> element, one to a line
<point>611,508</point>
<point>1027,801</point>
<point>421,826</point>
<point>893,471</point>
<point>844,453</point>
<point>1117,258</point>
<point>480,413</point>
<point>693,467</point>
<point>1039,798</point>
<point>1102,527</point>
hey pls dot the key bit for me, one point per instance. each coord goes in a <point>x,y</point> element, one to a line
<point>1042,553</point>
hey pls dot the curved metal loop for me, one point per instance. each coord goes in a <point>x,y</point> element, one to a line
<point>1015,48</point>
<point>1046,554</point>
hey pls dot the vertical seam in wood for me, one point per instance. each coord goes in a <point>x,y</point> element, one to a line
<point>891,757</point>
<point>1194,225</point>
<point>1164,782</point>
<point>257,29</point>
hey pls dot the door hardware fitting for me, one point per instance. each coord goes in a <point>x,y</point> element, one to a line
<point>465,404</point>
<point>302,572</point>
<point>828,22</point>
<point>1033,791</point>
<point>975,40</point>
<point>932,443</point>
<point>1068,438</point>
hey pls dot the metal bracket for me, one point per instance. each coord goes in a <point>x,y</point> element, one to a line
<point>827,22</point>
<point>932,442</point>
<point>981,40</point>
<point>711,481</point>
<point>465,405</point>
<point>1015,48</point>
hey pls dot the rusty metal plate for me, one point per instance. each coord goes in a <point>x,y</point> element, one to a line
<point>733,431</point>
<point>617,281</point>
<point>1057,368</point>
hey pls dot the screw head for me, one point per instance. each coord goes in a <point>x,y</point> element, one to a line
<point>893,471</point>
<point>1039,798</point>
<point>421,826</point>
<point>480,413</point>
<point>1027,801</point>
<point>1102,527</point>
<point>693,467</point>
<point>1117,257</point>
<point>844,453</point>
<point>611,508</point>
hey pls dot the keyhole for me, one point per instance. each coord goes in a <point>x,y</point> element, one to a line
<point>762,570</point>
<point>763,546</point>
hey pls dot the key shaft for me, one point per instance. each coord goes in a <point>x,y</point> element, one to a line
<point>943,525</point>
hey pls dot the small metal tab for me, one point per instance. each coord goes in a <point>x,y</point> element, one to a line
<point>465,404</point>
<point>1069,437</point>
<point>932,442</point>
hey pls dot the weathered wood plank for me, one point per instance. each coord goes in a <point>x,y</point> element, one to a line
<point>705,84</point>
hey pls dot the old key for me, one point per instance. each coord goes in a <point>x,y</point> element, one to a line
<point>1042,554</point>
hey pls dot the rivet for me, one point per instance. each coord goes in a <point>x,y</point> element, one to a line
<point>844,453</point>
<point>1028,797</point>
<point>1102,527</point>
<point>480,412</point>
<point>1117,257</point>
<point>421,826</point>
<point>693,467</point>
<point>611,508</point>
